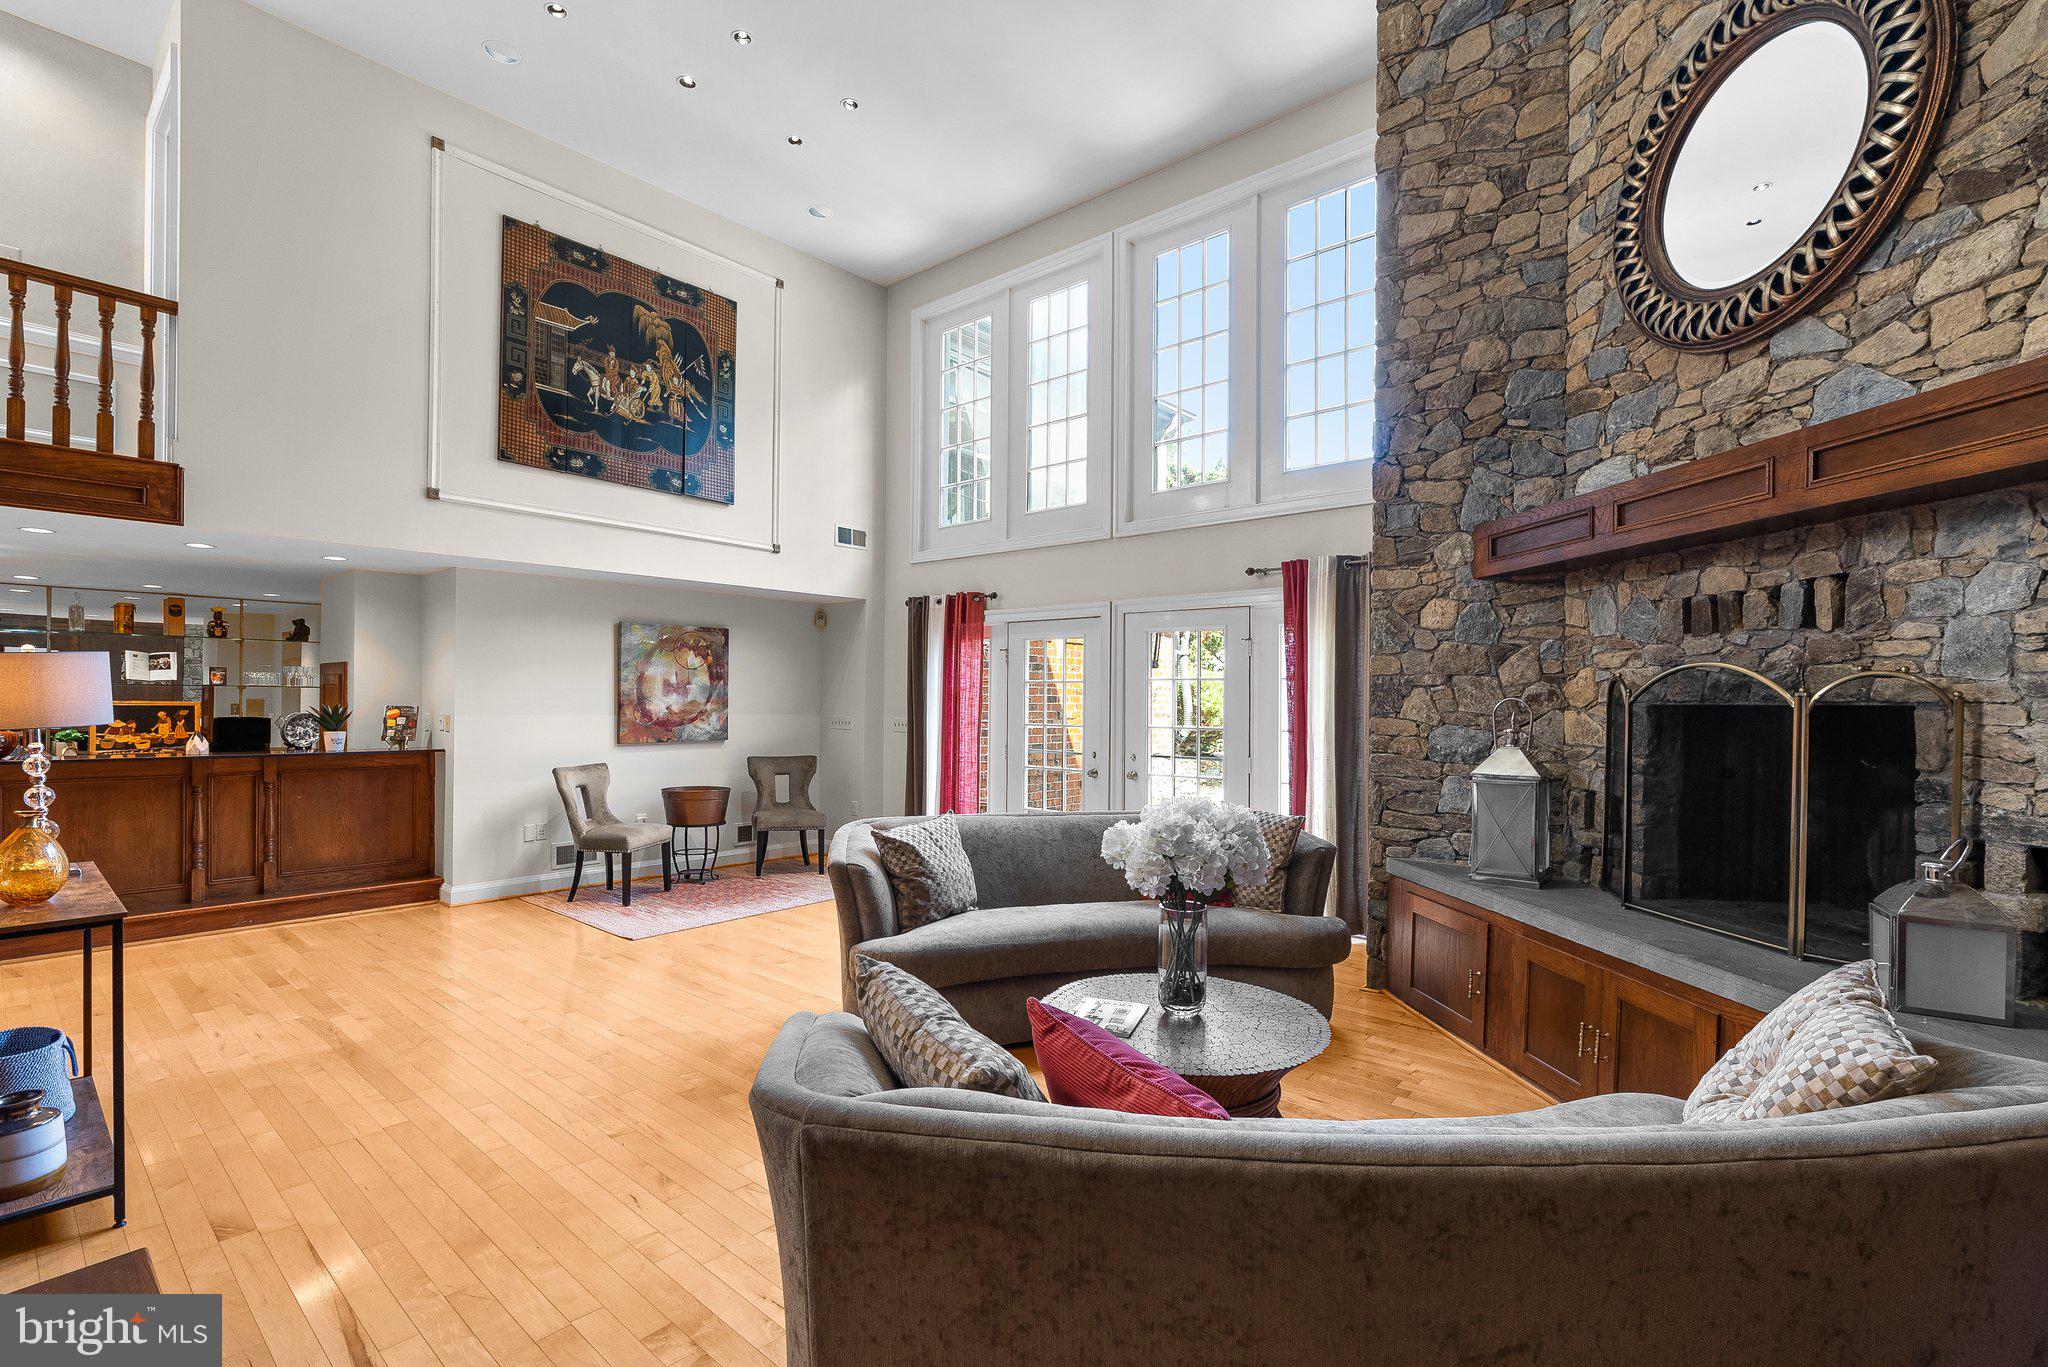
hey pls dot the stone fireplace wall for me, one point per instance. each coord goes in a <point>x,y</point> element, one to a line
<point>1521,406</point>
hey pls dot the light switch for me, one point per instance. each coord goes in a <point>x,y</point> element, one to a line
<point>900,725</point>
<point>842,723</point>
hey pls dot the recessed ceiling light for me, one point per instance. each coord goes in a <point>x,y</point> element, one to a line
<point>199,545</point>
<point>558,11</point>
<point>40,531</point>
<point>795,141</point>
<point>1760,187</point>
<point>498,52</point>
<point>31,578</point>
<point>687,82</point>
<point>820,211</point>
<point>152,586</point>
<point>849,104</point>
<point>1751,223</point>
<point>334,557</point>
<point>270,595</point>
<point>742,37</point>
<point>17,590</point>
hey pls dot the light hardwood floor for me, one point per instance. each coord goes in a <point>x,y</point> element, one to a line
<point>489,1134</point>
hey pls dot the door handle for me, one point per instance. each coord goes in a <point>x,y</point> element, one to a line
<point>1474,982</point>
<point>1596,1048</point>
<point>1582,1039</point>
<point>1131,774</point>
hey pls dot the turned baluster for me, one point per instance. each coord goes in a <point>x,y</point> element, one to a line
<point>17,407</point>
<point>60,408</point>
<point>105,436</point>
<point>145,428</point>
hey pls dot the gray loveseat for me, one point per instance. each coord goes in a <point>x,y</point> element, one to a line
<point>927,1226</point>
<point>1052,911</point>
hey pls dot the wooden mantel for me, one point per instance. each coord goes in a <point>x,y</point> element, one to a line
<point>1963,438</point>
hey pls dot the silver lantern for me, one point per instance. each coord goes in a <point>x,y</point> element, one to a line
<point>1942,947</point>
<point>1510,806</point>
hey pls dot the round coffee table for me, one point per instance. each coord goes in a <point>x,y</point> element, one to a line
<point>1245,1041</point>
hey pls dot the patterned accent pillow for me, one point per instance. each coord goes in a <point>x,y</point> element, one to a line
<point>1829,1045</point>
<point>928,871</point>
<point>924,1040</point>
<point>1281,833</point>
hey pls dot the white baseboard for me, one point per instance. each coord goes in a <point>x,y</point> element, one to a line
<point>557,880</point>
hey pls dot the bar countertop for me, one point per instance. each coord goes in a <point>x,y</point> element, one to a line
<point>1751,975</point>
<point>275,752</point>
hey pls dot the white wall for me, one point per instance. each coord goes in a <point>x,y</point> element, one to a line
<point>375,622</point>
<point>525,667</point>
<point>71,154</point>
<point>303,336</point>
<point>1198,560</point>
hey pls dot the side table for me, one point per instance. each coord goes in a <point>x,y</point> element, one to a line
<point>95,1146</point>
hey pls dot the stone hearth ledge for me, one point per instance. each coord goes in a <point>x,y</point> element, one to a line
<point>1749,974</point>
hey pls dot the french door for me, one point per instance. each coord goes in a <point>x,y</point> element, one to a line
<point>1187,705</point>
<point>1050,710</point>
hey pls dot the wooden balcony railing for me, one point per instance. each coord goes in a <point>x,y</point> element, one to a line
<point>60,475</point>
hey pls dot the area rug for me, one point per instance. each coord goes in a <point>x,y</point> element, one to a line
<point>689,905</point>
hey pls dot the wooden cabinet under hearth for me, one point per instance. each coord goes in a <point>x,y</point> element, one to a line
<point>1572,1021</point>
<point>1437,961</point>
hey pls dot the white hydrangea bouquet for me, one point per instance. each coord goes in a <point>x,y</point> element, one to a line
<point>1183,851</point>
<point>1188,845</point>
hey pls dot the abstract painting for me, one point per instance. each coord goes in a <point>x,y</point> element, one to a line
<point>672,683</point>
<point>613,371</point>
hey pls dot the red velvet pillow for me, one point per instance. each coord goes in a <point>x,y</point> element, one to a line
<point>1085,1065</point>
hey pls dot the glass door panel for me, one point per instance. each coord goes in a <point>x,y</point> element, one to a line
<point>1186,707</point>
<point>1054,715</point>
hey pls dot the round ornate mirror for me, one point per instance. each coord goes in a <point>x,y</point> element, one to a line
<point>1773,159</point>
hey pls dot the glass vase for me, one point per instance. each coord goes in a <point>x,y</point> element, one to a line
<point>33,866</point>
<point>1183,956</point>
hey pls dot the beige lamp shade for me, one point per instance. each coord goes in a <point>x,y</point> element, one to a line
<point>42,690</point>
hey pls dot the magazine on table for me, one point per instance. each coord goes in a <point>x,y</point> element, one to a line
<point>1119,1018</point>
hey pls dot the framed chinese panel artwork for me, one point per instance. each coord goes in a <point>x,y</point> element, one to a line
<point>610,370</point>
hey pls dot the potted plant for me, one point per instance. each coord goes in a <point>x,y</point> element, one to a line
<point>333,727</point>
<point>1182,851</point>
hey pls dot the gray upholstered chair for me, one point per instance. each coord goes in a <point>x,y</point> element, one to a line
<point>797,814</point>
<point>596,830</point>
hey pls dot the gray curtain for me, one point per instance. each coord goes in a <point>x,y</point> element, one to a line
<point>1348,763</point>
<point>913,742</point>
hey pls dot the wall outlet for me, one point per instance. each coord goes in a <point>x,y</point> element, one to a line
<point>445,722</point>
<point>533,830</point>
<point>900,725</point>
<point>842,723</point>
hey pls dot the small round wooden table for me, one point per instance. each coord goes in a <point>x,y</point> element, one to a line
<point>1245,1041</point>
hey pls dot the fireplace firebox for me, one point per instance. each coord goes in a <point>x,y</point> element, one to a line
<point>1774,816</point>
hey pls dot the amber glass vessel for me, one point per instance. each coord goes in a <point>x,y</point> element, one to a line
<point>33,866</point>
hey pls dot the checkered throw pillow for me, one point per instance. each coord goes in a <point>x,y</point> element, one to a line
<point>1281,833</point>
<point>928,871</point>
<point>1829,1045</point>
<point>924,1040</point>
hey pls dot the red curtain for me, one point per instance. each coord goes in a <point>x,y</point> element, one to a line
<point>1294,641</point>
<point>966,645</point>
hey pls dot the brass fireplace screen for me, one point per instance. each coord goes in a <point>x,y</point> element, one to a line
<point>1773,816</point>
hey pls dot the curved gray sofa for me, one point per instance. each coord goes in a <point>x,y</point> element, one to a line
<point>1052,911</point>
<point>927,1226</point>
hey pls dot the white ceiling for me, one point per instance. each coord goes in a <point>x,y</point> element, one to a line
<point>975,119</point>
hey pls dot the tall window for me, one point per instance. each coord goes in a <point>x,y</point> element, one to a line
<point>1056,399</point>
<point>966,420</point>
<point>1327,328</point>
<point>1191,363</point>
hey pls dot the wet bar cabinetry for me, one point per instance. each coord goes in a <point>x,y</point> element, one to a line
<point>205,842</point>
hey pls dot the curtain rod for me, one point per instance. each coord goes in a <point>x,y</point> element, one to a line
<point>940,598</point>
<point>1254,571</point>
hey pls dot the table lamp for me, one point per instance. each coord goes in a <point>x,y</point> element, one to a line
<point>39,690</point>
